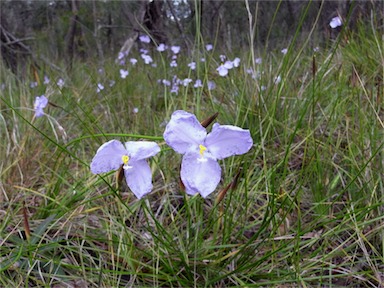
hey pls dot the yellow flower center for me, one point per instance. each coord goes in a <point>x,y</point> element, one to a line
<point>125,159</point>
<point>202,150</point>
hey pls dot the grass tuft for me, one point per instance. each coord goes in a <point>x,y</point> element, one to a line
<point>303,208</point>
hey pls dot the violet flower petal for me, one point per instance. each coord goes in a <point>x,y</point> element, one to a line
<point>108,157</point>
<point>228,140</point>
<point>184,132</point>
<point>222,70</point>
<point>139,150</point>
<point>335,22</point>
<point>40,103</point>
<point>228,65</point>
<point>39,112</point>
<point>139,178</point>
<point>200,175</point>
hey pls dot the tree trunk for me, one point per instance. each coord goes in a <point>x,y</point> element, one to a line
<point>149,15</point>
<point>70,38</point>
<point>154,21</point>
<point>96,36</point>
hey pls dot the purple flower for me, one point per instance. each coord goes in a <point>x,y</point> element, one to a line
<point>111,155</point>
<point>223,68</point>
<point>200,171</point>
<point>175,89</point>
<point>46,80</point>
<point>144,39</point>
<point>120,56</point>
<point>166,82</point>
<point>175,85</point>
<point>40,103</point>
<point>123,73</point>
<point>258,60</point>
<point>284,51</point>
<point>236,62</point>
<point>60,83</point>
<point>100,87</point>
<point>133,61</point>
<point>335,22</point>
<point>192,65</point>
<point>186,82</point>
<point>175,49</point>
<point>209,47</point>
<point>198,83</point>
<point>211,85</point>
<point>162,47</point>
<point>147,59</point>
<point>173,63</point>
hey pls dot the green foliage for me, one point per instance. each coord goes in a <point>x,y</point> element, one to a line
<point>307,209</point>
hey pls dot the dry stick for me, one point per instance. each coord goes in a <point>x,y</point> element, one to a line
<point>11,40</point>
<point>26,223</point>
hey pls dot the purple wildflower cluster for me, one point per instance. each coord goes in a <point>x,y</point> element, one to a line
<point>200,172</point>
<point>224,68</point>
<point>175,82</point>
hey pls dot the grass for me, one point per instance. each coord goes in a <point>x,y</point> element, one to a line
<point>307,209</point>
